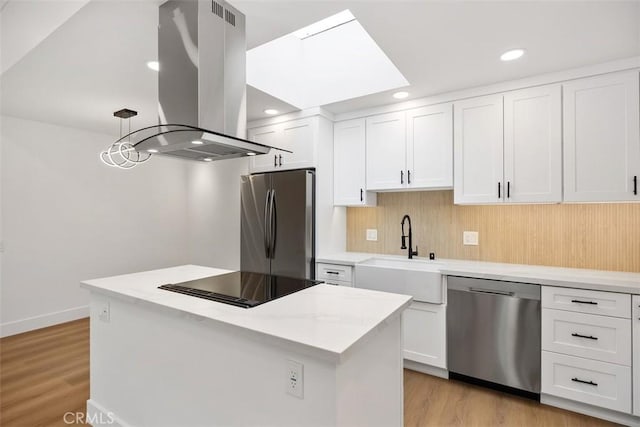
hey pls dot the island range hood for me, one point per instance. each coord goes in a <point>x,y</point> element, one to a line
<point>201,84</point>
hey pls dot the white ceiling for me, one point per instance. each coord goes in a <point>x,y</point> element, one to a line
<point>94,63</point>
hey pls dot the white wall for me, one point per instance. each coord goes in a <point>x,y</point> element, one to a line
<point>214,212</point>
<point>67,217</point>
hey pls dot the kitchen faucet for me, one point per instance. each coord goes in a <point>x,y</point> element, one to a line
<point>410,251</point>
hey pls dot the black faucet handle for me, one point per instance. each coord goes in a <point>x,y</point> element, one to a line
<point>404,243</point>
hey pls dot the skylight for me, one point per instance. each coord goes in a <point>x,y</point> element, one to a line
<point>332,60</point>
<point>324,25</point>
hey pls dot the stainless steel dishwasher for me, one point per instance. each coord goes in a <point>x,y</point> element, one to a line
<point>493,333</point>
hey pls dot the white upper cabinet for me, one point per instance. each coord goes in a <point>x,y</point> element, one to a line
<point>386,151</point>
<point>601,138</point>
<point>410,150</point>
<point>478,150</point>
<point>297,136</point>
<point>349,154</point>
<point>430,147</point>
<point>533,145</point>
<point>508,148</point>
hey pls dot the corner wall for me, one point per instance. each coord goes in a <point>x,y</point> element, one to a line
<point>67,217</point>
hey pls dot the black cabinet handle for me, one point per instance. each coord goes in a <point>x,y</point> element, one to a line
<point>635,185</point>
<point>275,160</point>
<point>584,382</point>
<point>408,177</point>
<point>333,272</point>
<point>361,195</point>
<point>401,177</point>
<point>499,188</point>
<point>508,189</point>
<point>280,160</point>
<point>590,337</point>
<point>584,302</point>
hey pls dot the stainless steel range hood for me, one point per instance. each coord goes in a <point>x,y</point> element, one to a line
<point>201,84</point>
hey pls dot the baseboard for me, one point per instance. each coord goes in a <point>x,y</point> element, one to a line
<point>37,322</point>
<point>426,369</point>
<point>593,411</point>
<point>97,415</point>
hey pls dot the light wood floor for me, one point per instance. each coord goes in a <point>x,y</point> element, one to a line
<point>45,373</point>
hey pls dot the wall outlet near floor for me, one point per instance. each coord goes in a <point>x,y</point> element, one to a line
<point>372,234</point>
<point>470,238</point>
<point>295,378</point>
<point>105,312</point>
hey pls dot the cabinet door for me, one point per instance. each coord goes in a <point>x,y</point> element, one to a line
<point>478,143</point>
<point>533,145</point>
<point>424,334</point>
<point>386,152</point>
<point>268,135</point>
<point>636,354</point>
<point>430,147</point>
<point>349,180</point>
<point>601,138</point>
<point>298,136</point>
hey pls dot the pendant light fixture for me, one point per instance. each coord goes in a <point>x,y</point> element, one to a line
<point>122,154</point>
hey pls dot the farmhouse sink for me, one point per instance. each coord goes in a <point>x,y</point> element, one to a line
<point>418,278</point>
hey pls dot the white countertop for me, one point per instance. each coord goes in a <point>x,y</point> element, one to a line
<point>612,281</point>
<point>324,319</point>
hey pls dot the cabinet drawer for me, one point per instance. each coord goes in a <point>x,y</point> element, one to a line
<point>586,301</point>
<point>596,383</point>
<point>587,335</point>
<point>334,272</point>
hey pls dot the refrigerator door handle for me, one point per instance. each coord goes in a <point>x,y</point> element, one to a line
<point>267,234</point>
<point>273,212</point>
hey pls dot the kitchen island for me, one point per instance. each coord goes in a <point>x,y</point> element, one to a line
<point>164,359</point>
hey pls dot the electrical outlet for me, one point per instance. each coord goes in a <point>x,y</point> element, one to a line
<point>470,238</point>
<point>372,234</point>
<point>105,312</point>
<point>295,378</point>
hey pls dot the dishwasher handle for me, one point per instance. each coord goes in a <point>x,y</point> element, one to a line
<point>491,291</point>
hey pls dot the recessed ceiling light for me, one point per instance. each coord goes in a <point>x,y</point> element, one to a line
<point>512,54</point>
<point>400,95</point>
<point>251,154</point>
<point>207,159</point>
<point>270,111</point>
<point>196,142</point>
<point>152,150</point>
<point>325,24</point>
<point>154,65</point>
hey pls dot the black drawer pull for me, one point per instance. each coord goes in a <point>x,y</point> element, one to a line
<point>332,272</point>
<point>499,188</point>
<point>508,189</point>
<point>408,177</point>
<point>275,160</point>
<point>280,160</point>
<point>584,382</point>
<point>401,177</point>
<point>361,196</point>
<point>584,302</point>
<point>591,337</point>
<point>635,185</point>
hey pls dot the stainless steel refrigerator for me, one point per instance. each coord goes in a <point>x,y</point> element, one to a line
<point>278,224</point>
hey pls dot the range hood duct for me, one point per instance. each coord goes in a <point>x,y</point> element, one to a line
<point>201,84</point>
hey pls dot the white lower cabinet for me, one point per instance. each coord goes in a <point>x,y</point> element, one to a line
<point>636,355</point>
<point>586,335</point>
<point>588,381</point>
<point>424,334</point>
<point>335,274</point>
<point>587,347</point>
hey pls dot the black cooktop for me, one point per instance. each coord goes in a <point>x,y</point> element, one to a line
<point>241,288</point>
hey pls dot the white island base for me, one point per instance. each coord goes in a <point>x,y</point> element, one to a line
<point>165,359</point>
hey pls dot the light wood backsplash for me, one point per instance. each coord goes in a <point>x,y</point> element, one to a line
<point>597,236</point>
